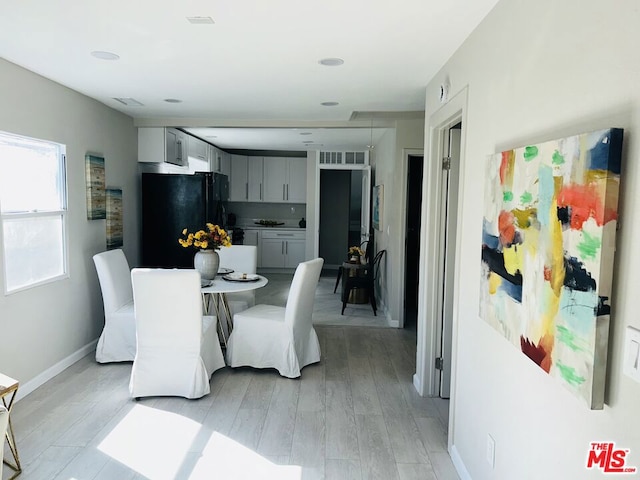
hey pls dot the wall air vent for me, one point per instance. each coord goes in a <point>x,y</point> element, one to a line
<point>344,158</point>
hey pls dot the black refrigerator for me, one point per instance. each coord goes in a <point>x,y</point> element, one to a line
<point>171,203</point>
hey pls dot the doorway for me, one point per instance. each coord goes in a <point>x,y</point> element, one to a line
<point>448,229</point>
<point>335,208</point>
<point>415,167</point>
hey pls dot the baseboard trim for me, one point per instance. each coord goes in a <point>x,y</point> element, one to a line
<point>417,383</point>
<point>28,387</point>
<point>459,465</point>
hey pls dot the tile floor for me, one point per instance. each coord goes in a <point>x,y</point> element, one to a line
<point>355,415</point>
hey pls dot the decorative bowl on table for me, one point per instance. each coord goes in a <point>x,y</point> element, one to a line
<point>241,277</point>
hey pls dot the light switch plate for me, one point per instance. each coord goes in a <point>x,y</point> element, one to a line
<point>631,361</point>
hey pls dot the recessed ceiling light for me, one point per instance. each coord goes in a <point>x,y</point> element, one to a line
<point>129,102</point>
<point>308,141</point>
<point>305,133</point>
<point>172,100</point>
<point>200,20</point>
<point>329,104</point>
<point>105,55</point>
<point>331,62</point>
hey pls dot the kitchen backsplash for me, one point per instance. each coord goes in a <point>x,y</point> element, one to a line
<point>288,213</point>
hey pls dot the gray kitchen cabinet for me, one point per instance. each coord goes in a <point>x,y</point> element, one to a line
<point>159,144</point>
<point>282,249</point>
<point>285,180</point>
<point>214,158</point>
<point>254,178</point>
<point>238,182</point>
<point>197,148</point>
<point>246,179</point>
<point>225,163</point>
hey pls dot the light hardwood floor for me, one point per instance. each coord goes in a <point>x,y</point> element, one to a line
<point>355,415</point>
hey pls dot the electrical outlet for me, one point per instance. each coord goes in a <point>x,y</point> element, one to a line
<point>491,451</point>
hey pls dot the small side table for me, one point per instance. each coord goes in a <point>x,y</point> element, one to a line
<point>356,295</point>
<point>8,390</point>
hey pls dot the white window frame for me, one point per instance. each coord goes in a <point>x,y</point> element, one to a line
<point>62,213</point>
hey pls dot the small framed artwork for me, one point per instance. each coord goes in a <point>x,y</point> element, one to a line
<point>378,198</point>
<point>114,218</point>
<point>96,201</point>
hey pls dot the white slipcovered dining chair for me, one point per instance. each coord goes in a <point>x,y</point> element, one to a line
<point>267,336</point>
<point>242,259</point>
<point>177,348</point>
<point>4,421</point>
<point>117,342</point>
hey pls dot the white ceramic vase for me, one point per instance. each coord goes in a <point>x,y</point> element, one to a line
<point>207,262</point>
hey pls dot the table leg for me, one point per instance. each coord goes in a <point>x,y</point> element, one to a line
<point>207,300</point>
<point>11,440</point>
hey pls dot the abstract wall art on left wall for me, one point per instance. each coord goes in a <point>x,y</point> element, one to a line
<point>114,218</point>
<point>548,244</point>
<point>96,200</point>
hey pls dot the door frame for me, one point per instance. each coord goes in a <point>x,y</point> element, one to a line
<point>426,380</point>
<point>316,182</point>
<point>406,152</point>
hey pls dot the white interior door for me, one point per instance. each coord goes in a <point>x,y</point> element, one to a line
<point>365,211</point>
<point>448,224</point>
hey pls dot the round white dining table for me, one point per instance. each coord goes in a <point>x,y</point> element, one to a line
<point>215,295</point>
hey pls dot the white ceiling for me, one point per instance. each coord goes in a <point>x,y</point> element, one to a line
<point>257,65</point>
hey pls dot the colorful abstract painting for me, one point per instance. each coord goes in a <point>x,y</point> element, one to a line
<point>548,243</point>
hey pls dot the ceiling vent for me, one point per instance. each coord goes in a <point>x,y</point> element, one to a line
<point>129,102</point>
<point>201,20</point>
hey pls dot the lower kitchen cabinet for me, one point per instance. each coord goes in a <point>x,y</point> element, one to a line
<point>282,249</point>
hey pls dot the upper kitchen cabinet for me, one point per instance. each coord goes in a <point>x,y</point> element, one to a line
<point>225,163</point>
<point>246,179</point>
<point>220,161</point>
<point>196,148</point>
<point>285,180</point>
<point>158,144</point>
<point>214,158</point>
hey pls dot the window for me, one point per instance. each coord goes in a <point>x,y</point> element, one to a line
<point>33,207</point>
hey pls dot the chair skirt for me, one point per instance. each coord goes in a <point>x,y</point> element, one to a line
<point>117,342</point>
<point>262,339</point>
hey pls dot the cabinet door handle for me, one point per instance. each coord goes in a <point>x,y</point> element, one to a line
<point>260,191</point>
<point>283,191</point>
<point>282,248</point>
<point>246,190</point>
<point>287,248</point>
<point>287,191</point>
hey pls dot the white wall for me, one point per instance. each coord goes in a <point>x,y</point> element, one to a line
<point>41,326</point>
<point>539,70</point>
<point>387,160</point>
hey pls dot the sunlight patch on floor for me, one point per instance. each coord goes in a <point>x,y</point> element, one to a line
<point>152,442</point>
<point>155,443</point>
<point>229,459</point>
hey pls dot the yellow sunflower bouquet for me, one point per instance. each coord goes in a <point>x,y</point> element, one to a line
<point>211,238</point>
